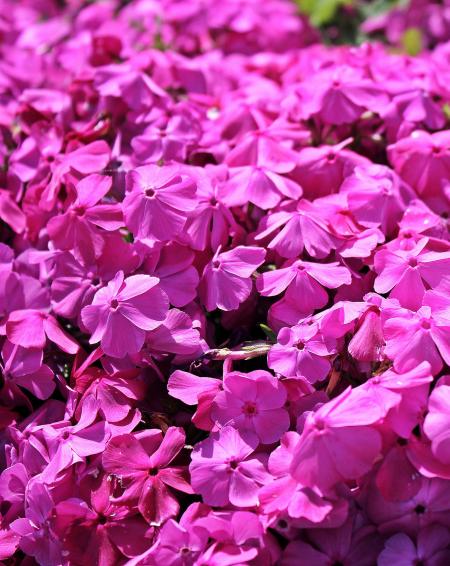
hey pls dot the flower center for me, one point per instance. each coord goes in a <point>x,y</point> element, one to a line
<point>150,193</point>
<point>114,304</point>
<point>412,262</point>
<point>300,345</point>
<point>79,210</point>
<point>419,509</point>
<point>319,423</point>
<point>426,324</point>
<point>250,409</point>
<point>216,264</point>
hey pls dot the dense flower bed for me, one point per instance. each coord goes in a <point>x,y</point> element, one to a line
<point>224,287</point>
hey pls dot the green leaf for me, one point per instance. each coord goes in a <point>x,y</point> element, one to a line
<point>268,332</point>
<point>446,110</point>
<point>412,41</point>
<point>321,12</point>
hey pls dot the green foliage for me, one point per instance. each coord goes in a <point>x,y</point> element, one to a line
<point>321,12</point>
<point>412,41</point>
<point>270,334</point>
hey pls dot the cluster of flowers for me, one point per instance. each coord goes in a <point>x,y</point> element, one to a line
<point>224,290</point>
<point>429,18</point>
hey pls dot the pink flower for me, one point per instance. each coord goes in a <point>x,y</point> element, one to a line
<point>225,282</point>
<point>340,95</point>
<point>31,328</point>
<point>223,471</point>
<point>84,159</point>
<point>37,537</point>
<point>178,278</point>
<point>143,463</point>
<point>338,442</point>
<point>253,402</point>
<point>302,351</point>
<point>436,424</point>
<point>212,223</point>
<point>178,545</point>
<point>176,335</point>
<point>405,273</point>
<point>261,186</point>
<point>194,390</point>
<point>321,170</point>
<point>428,506</point>
<point>368,341</point>
<point>24,367</point>
<point>303,281</point>
<point>78,227</point>
<point>71,443</point>
<point>423,161</point>
<point>377,197</point>
<point>403,394</point>
<point>122,312</point>
<point>347,544</point>
<point>157,202</point>
<point>303,228</point>
<point>415,336</point>
<point>432,548</point>
<point>98,529</point>
<point>284,497</point>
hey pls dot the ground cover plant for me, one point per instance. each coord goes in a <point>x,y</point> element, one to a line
<point>224,283</point>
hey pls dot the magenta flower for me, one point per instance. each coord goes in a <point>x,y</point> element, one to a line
<point>404,394</point>
<point>377,197</point>
<point>263,187</point>
<point>415,336</point>
<point>213,223</point>
<point>224,248</point>
<point>436,424</point>
<point>78,227</point>
<point>425,508</point>
<point>157,202</point>
<point>346,544</point>
<point>302,351</point>
<point>407,274</point>
<point>24,367</point>
<point>338,442</point>
<point>69,444</point>
<point>304,282</point>
<point>253,402</point>
<point>302,228</point>
<point>178,544</point>
<point>143,464</point>
<point>37,538</point>
<point>178,278</point>
<point>31,328</point>
<point>422,160</point>
<point>194,390</point>
<point>225,282</point>
<point>367,343</point>
<point>432,548</point>
<point>321,170</point>
<point>122,312</point>
<point>223,471</point>
<point>97,527</point>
